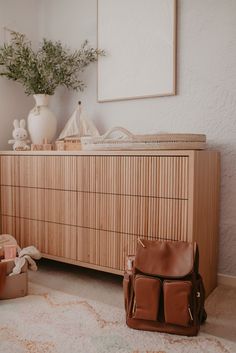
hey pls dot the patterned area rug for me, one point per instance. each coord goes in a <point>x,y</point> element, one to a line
<point>49,321</point>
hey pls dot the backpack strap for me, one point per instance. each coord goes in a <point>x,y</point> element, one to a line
<point>202,312</point>
<point>196,258</point>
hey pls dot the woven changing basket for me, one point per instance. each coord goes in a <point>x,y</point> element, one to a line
<point>128,141</point>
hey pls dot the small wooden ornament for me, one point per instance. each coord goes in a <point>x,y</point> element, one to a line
<point>35,147</point>
<point>72,144</point>
<point>46,146</point>
<point>59,146</point>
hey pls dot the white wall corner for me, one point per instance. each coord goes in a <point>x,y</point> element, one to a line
<point>226,280</point>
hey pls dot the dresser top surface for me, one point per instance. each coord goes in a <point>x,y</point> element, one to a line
<point>108,153</point>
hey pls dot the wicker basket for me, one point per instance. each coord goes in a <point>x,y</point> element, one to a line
<point>128,141</point>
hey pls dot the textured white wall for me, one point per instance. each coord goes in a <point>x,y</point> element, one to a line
<point>14,104</point>
<point>206,99</point>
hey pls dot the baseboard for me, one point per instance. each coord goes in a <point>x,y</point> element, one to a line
<point>226,280</point>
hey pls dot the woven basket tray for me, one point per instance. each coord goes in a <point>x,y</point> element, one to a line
<point>128,141</point>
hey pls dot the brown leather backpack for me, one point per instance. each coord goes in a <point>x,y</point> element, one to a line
<point>163,290</point>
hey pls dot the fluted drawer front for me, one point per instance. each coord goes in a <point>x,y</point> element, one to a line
<point>101,248</point>
<point>162,176</point>
<point>86,245</point>
<point>144,176</point>
<point>50,172</point>
<point>40,204</point>
<point>50,238</point>
<point>144,216</point>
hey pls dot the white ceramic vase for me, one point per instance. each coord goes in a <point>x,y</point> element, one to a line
<point>42,123</point>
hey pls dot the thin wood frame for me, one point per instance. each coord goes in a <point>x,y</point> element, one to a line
<point>174,53</point>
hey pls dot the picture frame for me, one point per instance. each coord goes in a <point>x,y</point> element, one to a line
<point>139,38</point>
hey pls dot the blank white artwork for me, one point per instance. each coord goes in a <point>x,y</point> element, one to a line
<point>139,39</point>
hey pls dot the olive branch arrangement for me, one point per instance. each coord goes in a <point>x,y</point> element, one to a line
<point>41,71</point>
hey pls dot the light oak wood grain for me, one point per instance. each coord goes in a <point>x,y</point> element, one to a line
<point>89,209</point>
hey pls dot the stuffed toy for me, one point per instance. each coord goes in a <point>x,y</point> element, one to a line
<point>26,255</point>
<point>20,136</point>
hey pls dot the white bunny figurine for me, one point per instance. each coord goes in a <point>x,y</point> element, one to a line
<point>20,136</point>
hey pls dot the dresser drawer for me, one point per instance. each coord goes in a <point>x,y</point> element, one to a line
<point>143,216</point>
<point>143,176</point>
<point>49,172</point>
<point>50,238</point>
<point>101,248</point>
<point>165,176</point>
<point>139,215</point>
<point>40,204</point>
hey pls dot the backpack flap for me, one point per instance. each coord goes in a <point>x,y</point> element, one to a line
<point>167,259</point>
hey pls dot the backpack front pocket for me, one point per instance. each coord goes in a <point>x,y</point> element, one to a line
<point>177,308</point>
<point>147,297</point>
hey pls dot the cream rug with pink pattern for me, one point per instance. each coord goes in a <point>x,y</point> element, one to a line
<point>49,321</point>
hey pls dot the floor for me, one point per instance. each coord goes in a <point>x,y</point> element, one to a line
<point>75,280</point>
<point>107,288</point>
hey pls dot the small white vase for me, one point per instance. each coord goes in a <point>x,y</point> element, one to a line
<point>42,123</point>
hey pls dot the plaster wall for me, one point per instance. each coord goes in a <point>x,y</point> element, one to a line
<point>21,16</point>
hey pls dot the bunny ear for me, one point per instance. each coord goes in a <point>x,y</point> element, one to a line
<point>16,123</point>
<point>22,123</point>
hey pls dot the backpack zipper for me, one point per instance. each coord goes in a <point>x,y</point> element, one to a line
<point>190,313</point>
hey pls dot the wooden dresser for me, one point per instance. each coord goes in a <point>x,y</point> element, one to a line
<point>88,208</point>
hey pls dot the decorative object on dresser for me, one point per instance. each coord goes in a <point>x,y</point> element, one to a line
<point>42,122</point>
<point>89,208</point>
<point>68,144</point>
<point>45,146</point>
<point>20,136</point>
<point>119,138</point>
<point>79,125</point>
<point>41,71</point>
